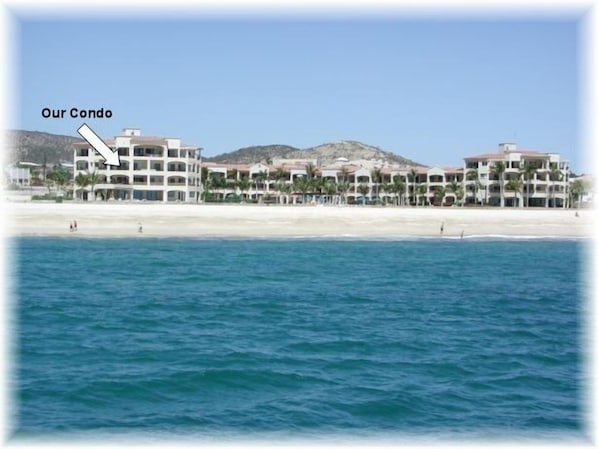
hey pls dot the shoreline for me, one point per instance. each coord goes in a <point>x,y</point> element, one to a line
<point>277,221</point>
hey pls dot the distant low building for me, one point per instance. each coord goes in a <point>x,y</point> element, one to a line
<point>18,174</point>
<point>586,199</point>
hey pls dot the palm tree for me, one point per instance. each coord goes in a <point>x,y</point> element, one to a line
<point>528,170</point>
<point>577,189</point>
<point>234,174</point>
<point>330,188</point>
<point>311,170</point>
<point>57,178</point>
<point>260,179</point>
<point>473,174</point>
<point>555,175</point>
<point>515,185</point>
<point>301,185</point>
<point>498,168</point>
<point>343,185</point>
<point>285,188</point>
<point>421,190</point>
<point>81,181</point>
<point>204,181</point>
<point>281,174</point>
<point>460,194</point>
<point>217,183</point>
<point>343,188</point>
<point>243,184</point>
<point>398,188</point>
<point>413,174</point>
<point>454,186</point>
<point>316,185</point>
<point>376,175</point>
<point>439,193</point>
<point>94,178</point>
<point>363,189</point>
<point>401,188</point>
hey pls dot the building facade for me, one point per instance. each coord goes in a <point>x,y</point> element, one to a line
<point>151,169</point>
<point>165,169</point>
<point>18,175</point>
<point>528,178</point>
<point>521,177</point>
<point>342,182</point>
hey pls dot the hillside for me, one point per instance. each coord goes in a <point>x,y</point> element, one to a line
<point>251,155</point>
<point>35,146</point>
<point>326,153</point>
<point>353,150</point>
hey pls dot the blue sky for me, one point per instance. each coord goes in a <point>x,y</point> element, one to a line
<point>428,89</point>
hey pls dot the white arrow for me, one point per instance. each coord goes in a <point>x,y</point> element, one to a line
<point>109,156</point>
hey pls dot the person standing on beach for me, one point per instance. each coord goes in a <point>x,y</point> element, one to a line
<point>140,229</point>
<point>71,226</point>
<point>75,225</point>
<point>442,228</point>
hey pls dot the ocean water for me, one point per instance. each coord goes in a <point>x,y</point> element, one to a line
<point>299,337</point>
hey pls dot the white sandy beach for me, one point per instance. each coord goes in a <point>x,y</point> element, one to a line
<point>192,220</point>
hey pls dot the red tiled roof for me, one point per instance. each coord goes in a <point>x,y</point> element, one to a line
<point>452,169</point>
<point>487,156</point>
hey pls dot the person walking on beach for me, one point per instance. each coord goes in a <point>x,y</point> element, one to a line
<point>462,232</point>
<point>442,228</point>
<point>75,225</point>
<point>71,226</point>
<point>140,228</point>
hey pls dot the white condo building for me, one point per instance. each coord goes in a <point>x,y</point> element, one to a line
<point>151,168</point>
<point>547,184</point>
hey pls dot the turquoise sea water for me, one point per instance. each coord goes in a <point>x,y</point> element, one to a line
<point>299,337</point>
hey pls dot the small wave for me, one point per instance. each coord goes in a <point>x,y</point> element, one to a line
<point>320,237</point>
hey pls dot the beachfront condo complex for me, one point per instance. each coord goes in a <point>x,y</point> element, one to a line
<point>164,169</point>
<point>528,178</point>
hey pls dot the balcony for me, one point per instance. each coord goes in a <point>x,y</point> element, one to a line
<point>119,180</point>
<point>148,152</point>
<point>177,167</point>
<point>156,180</point>
<point>177,181</point>
<point>124,166</point>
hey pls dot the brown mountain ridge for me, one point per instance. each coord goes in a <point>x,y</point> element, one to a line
<point>42,147</point>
